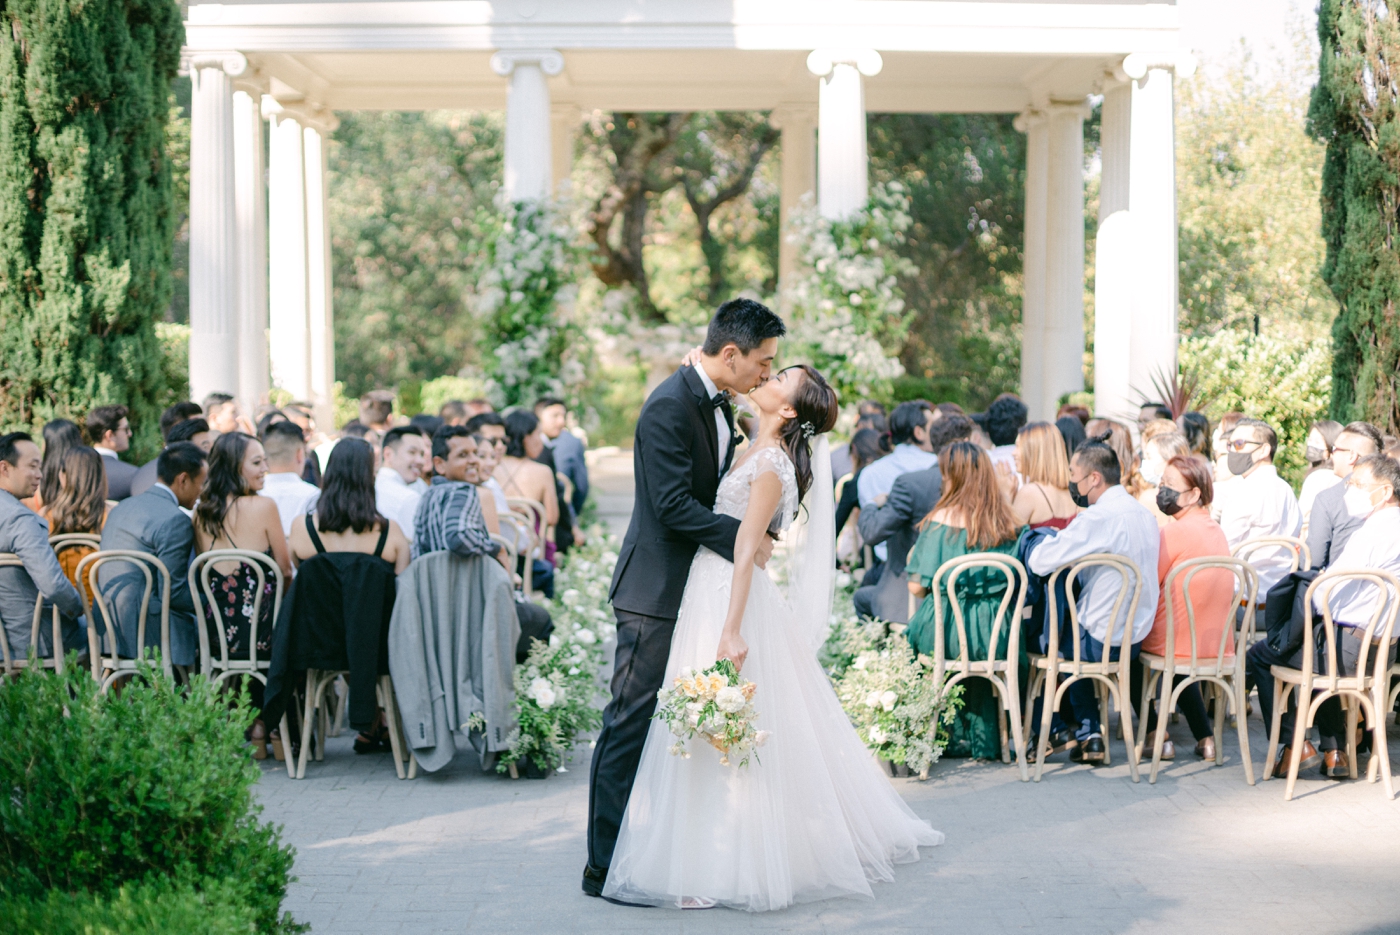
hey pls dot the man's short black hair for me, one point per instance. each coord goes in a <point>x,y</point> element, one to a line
<point>1270,437</point>
<point>949,429</point>
<point>1005,416</point>
<point>186,430</point>
<point>176,414</point>
<point>215,400</point>
<point>179,458</point>
<point>9,447</point>
<point>354,429</point>
<point>102,420</point>
<point>452,409</point>
<point>906,418</point>
<point>544,402</point>
<point>441,448</point>
<point>376,406</point>
<point>395,435</point>
<point>426,423</point>
<point>475,423</point>
<point>744,323</point>
<point>1367,431</point>
<point>1098,458</point>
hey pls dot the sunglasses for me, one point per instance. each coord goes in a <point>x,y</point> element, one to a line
<point>1242,445</point>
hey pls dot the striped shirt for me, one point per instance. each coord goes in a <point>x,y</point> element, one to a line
<point>449,519</point>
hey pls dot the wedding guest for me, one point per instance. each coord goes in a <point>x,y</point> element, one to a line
<point>25,534</point>
<point>489,424</point>
<point>909,427</point>
<point>223,415</point>
<point>454,412</point>
<point>1076,411</point>
<point>1005,416</point>
<point>285,450</point>
<point>1072,432</point>
<point>195,431</point>
<point>489,453</point>
<point>1121,441</point>
<point>1322,437</point>
<point>145,476</point>
<point>1157,450</point>
<point>1184,496</point>
<point>519,473</point>
<point>1196,428</point>
<point>80,507</point>
<point>427,424</point>
<point>377,413</point>
<point>971,515</point>
<point>1043,499</point>
<point>301,414</point>
<point>60,437</point>
<point>1149,411</point>
<point>1220,442</point>
<point>109,431</point>
<point>399,484</point>
<point>1261,503</point>
<point>566,446</point>
<point>1159,427</point>
<point>867,446</point>
<point>1332,522</point>
<point>869,415</point>
<point>551,417</point>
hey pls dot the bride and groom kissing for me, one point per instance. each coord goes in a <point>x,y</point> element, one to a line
<point>816,818</point>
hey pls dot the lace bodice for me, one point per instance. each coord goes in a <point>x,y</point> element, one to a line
<point>732,498</point>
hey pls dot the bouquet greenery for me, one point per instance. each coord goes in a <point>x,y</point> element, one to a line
<point>716,705</point>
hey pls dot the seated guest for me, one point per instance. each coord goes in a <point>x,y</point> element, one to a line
<point>285,450</point>
<point>869,415</point>
<point>564,527</point>
<point>1043,499</point>
<point>449,518</point>
<point>490,424</point>
<point>1149,411</point>
<point>1373,492</point>
<point>1112,522</point>
<point>109,431</point>
<point>145,476</point>
<point>1331,523</point>
<point>427,424</point>
<point>1261,503</point>
<point>399,485</point>
<point>223,415</point>
<point>566,446</point>
<point>154,522</point>
<point>1121,441</point>
<point>1157,450</point>
<point>1196,428</point>
<point>480,463</point>
<point>1322,437</point>
<point>867,446</point>
<point>896,523</point>
<point>1072,431</point>
<point>60,437</point>
<point>24,533</point>
<point>1184,497</point>
<point>196,431</point>
<point>1005,416</point>
<point>971,516</point>
<point>80,507</point>
<point>454,412</point>
<point>909,428</point>
<point>489,453</point>
<point>1220,444</point>
<point>522,476</point>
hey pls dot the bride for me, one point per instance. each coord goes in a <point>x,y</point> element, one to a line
<point>816,818</point>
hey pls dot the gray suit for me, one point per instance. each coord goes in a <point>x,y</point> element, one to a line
<point>910,500</point>
<point>154,523</point>
<point>119,477</point>
<point>145,478</point>
<point>24,532</point>
<point>1330,526</point>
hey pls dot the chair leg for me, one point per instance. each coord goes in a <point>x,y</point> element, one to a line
<point>1043,739</point>
<point>1119,689</point>
<point>1242,727</point>
<point>385,691</point>
<point>1159,739</point>
<point>1104,723</point>
<point>1002,732</point>
<point>287,748</point>
<point>1018,737</point>
<point>342,706</point>
<point>1301,726</point>
<point>1277,722</point>
<point>308,723</point>
<point>1219,724</point>
<point>1379,754</point>
<point>1353,717</point>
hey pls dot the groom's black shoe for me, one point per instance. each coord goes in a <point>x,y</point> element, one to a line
<point>593,880</point>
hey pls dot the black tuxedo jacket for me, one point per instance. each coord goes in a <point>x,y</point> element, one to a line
<point>676,476</point>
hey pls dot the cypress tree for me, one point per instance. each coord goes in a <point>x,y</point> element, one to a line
<point>1356,112</point>
<point>87,219</point>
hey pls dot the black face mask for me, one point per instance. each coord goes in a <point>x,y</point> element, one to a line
<point>1239,461</point>
<point>1315,455</point>
<point>1167,501</point>
<point>1079,499</point>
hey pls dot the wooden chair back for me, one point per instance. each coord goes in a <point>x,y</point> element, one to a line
<point>1008,618</point>
<point>201,582</point>
<point>1246,591</point>
<point>1299,556</point>
<point>1124,608</point>
<point>152,569</point>
<point>1379,631</point>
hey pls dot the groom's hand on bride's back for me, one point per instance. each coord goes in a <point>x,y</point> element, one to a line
<point>764,552</point>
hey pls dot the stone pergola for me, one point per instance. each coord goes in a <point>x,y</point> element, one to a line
<point>260,296</point>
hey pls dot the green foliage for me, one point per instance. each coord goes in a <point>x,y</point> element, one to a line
<point>1284,382</point>
<point>104,790</point>
<point>434,393</point>
<point>155,907</point>
<point>174,360</point>
<point>1355,112</point>
<point>86,217</point>
<point>963,174</point>
<point>411,215</point>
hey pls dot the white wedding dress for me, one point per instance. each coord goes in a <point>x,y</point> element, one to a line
<point>816,818</point>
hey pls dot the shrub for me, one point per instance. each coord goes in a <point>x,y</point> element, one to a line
<point>156,907</point>
<point>103,790</point>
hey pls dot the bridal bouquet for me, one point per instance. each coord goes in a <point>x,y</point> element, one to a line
<point>717,706</point>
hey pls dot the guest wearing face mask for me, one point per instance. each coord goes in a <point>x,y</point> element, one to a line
<point>1336,514</point>
<point>1322,437</point>
<point>1220,444</point>
<point>1261,503</point>
<point>1157,451</point>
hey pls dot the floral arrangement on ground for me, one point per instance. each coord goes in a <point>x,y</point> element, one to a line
<point>558,691</point>
<point>887,689</point>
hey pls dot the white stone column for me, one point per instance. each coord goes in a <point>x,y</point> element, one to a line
<point>213,232</point>
<point>1115,255</point>
<point>289,327</point>
<point>320,320</point>
<point>563,128</point>
<point>798,124</point>
<point>1033,123</point>
<point>527,150</point>
<point>1063,369</point>
<point>250,210</point>
<point>843,165</point>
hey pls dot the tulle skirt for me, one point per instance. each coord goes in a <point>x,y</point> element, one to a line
<point>815,819</point>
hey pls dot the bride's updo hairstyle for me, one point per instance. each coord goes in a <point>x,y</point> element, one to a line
<point>817,408</point>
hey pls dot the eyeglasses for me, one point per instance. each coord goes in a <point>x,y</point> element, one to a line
<point>1343,451</point>
<point>1240,444</point>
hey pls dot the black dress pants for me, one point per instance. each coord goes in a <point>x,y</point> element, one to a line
<point>639,669</point>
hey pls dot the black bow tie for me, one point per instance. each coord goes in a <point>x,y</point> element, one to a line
<point>719,399</point>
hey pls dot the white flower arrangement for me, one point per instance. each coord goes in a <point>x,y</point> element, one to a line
<point>715,705</point>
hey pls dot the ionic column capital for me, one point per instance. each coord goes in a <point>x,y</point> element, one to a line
<point>866,61</point>
<point>1030,117</point>
<point>1135,67</point>
<point>550,61</point>
<point>307,113</point>
<point>233,64</point>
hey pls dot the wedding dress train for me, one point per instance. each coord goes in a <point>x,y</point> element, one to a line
<point>815,817</point>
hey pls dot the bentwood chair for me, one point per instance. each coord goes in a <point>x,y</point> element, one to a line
<point>1365,688</point>
<point>515,531</point>
<point>55,659</point>
<point>201,579</point>
<point>1002,673</point>
<point>1222,667</point>
<point>152,570</point>
<point>1111,677</point>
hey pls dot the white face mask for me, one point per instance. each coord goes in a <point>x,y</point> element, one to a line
<point>1151,471</point>
<point>1358,502</point>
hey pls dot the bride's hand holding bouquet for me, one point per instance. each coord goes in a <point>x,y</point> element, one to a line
<point>716,705</point>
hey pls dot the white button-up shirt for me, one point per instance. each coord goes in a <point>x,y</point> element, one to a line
<point>294,497</point>
<point>1120,525</point>
<point>721,426</point>
<point>1375,545</point>
<point>396,498</point>
<point>1261,504</point>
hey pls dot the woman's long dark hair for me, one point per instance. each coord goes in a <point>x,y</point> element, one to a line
<point>867,447</point>
<point>60,437</point>
<point>347,489</point>
<point>81,503</point>
<point>817,408</point>
<point>519,424</point>
<point>971,491</point>
<point>224,484</point>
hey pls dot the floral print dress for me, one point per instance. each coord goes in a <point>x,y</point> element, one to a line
<point>232,611</point>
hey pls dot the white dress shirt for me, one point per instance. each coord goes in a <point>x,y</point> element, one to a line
<point>1120,525</point>
<point>1375,545</point>
<point>107,452</point>
<point>396,498</point>
<point>721,426</point>
<point>294,497</point>
<point>1262,504</point>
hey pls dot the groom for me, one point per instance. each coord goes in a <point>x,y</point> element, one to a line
<point>684,444</point>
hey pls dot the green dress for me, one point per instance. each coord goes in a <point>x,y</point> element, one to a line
<point>975,731</point>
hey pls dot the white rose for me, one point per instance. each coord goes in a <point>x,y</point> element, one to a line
<point>586,637</point>
<point>542,692</point>
<point>760,738</point>
<point>877,735</point>
<point>887,700</point>
<point>569,597</point>
<point>573,671</point>
<point>872,700</point>
<point>729,699</point>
